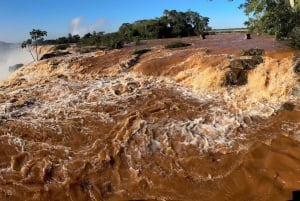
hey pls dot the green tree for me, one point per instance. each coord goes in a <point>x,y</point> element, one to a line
<point>126,30</point>
<point>177,22</point>
<point>36,37</point>
<point>113,40</point>
<point>91,39</point>
<point>198,23</point>
<point>171,24</point>
<point>186,23</point>
<point>271,17</point>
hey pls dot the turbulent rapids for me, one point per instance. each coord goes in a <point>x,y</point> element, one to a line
<point>218,120</point>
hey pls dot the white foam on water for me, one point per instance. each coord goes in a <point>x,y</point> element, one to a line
<point>67,100</point>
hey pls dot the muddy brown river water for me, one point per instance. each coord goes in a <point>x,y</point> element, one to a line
<point>159,126</point>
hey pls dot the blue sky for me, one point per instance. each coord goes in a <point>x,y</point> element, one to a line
<point>60,17</point>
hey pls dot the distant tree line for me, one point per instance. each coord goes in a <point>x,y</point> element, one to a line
<point>64,40</point>
<point>172,24</point>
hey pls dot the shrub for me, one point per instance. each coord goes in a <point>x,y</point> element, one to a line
<point>113,41</point>
<point>137,40</point>
<point>61,47</point>
<point>177,44</point>
<point>54,54</point>
<point>296,37</point>
<point>141,51</point>
<point>87,49</point>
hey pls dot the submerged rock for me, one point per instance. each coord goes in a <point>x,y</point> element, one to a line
<point>29,102</point>
<point>238,73</point>
<point>296,63</point>
<point>15,67</point>
<point>236,77</point>
<point>296,89</point>
<point>254,52</point>
<point>246,63</point>
<point>127,64</point>
<point>247,36</point>
<point>288,106</point>
<point>54,54</point>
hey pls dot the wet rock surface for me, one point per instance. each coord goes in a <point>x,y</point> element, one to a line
<point>54,54</point>
<point>296,63</point>
<point>296,89</point>
<point>238,73</point>
<point>15,67</point>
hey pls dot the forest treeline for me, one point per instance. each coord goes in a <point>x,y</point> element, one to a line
<point>171,24</point>
<point>274,17</point>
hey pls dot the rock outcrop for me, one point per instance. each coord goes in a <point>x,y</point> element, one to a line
<point>15,67</point>
<point>239,67</point>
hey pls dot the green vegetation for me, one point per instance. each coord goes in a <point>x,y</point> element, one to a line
<point>36,38</point>
<point>61,47</point>
<point>177,44</point>
<point>113,40</point>
<point>91,39</point>
<point>141,51</point>
<point>171,24</point>
<point>273,18</point>
<point>296,37</point>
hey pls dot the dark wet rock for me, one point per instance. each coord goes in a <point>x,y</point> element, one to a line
<point>238,73</point>
<point>236,77</point>
<point>3,117</point>
<point>130,62</point>
<point>47,56</point>
<point>246,63</point>
<point>247,36</point>
<point>141,51</point>
<point>48,173</point>
<point>13,100</point>
<point>247,120</point>
<point>29,102</point>
<point>131,86</point>
<point>288,106</point>
<point>16,114</point>
<point>297,68</point>
<point>61,76</point>
<point>296,89</point>
<point>254,52</point>
<point>54,54</point>
<point>296,63</point>
<point>118,92</point>
<point>15,67</point>
<point>202,36</point>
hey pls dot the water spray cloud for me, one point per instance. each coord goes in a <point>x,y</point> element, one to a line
<point>10,55</point>
<point>78,26</point>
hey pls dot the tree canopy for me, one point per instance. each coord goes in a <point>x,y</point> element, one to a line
<point>172,24</point>
<point>36,37</point>
<point>274,17</point>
